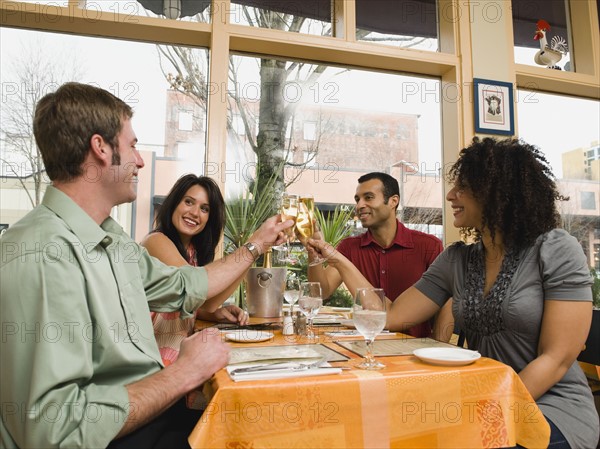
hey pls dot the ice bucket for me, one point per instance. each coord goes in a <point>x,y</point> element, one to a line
<point>264,291</point>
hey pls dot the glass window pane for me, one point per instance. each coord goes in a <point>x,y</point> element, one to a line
<point>400,23</point>
<point>541,33</point>
<point>334,124</point>
<point>307,16</point>
<point>35,63</point>
<point>567,139</point>
<point>184,10</point>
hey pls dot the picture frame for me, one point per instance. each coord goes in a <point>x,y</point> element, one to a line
<point>494,108</point>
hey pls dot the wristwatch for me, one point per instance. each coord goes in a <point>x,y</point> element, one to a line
<point>253,248</point>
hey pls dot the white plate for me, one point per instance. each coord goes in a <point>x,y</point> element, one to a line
<point>447,356</point>
<point>248,336</point>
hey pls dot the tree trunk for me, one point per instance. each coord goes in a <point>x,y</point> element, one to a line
<point>272,121</point>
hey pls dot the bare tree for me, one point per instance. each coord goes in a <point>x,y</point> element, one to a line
<point>33,72</point>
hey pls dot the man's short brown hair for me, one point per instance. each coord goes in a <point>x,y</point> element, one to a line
<point>65,122</point>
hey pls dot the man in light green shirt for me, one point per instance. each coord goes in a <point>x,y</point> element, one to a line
<point>79,363</point>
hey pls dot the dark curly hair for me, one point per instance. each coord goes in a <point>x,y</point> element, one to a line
<point>513,182</point>
<point>206,241</point>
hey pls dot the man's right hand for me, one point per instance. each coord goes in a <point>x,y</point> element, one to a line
<point>203,354</point>
<point>270,233</point>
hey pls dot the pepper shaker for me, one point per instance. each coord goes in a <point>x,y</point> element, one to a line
<point>300,324</point>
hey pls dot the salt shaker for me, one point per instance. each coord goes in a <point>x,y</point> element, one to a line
<point>288,323</point>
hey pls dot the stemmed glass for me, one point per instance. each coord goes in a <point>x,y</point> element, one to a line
<point>289,211</point>
<point>306,223</point>
<point>310,302</point>
<point>291,292</point>
<point>369,315</point>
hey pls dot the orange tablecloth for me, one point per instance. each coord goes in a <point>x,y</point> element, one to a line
<point>408,404</point>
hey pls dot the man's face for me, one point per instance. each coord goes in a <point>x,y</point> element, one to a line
<point>370,204</point>
<point>124,173</point>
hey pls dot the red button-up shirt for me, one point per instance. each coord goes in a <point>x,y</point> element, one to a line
<point>397,267</point>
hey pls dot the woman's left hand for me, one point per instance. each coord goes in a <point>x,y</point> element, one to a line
<point>226,314</point>
<point>232,314</point>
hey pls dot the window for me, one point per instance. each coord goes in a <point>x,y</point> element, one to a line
<point>588,200</point>
<point>186,121</point>
<point>309,159</point>
<point>340,129</point>
<point>399,23</point>
<point>567,153</point>
<point>548,22</point>
<point>310,17</point>
<point>310,131</point>
<point>142,85</point>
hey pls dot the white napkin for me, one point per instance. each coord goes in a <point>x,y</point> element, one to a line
<point>286,371</point>
<point>327,319</point>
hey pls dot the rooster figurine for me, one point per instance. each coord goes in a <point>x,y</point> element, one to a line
<point>549,55</point>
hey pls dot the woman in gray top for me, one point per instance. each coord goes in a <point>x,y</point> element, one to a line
<point>521,291</point>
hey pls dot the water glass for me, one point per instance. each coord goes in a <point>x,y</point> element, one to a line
<point>310,302</point>
<point>291,292</point>
<point>369,315</point>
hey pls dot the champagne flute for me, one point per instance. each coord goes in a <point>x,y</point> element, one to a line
<point>310,302</point>
<point>291,293</point>
<point>369,315</point>
<point>289,211</point>
<point>306,223</point>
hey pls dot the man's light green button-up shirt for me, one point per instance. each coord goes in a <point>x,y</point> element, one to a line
<point>75,302</point>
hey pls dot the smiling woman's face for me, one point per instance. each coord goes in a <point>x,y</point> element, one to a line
<point>466,209</point>
<point>192,213</point>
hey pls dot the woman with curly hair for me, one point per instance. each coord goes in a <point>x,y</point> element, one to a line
<point>189,224</point>
<point>521,292</point>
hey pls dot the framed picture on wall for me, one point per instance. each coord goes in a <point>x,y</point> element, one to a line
<point>493,107</point>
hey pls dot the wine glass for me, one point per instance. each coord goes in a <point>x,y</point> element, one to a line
<point>310,302</point>
<point>369,315</point>
<point>291,292</point>
<point>289,211</point>
<point>306,223</point>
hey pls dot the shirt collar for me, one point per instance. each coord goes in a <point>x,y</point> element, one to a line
<point>78,221</point>
<point>402,238</point>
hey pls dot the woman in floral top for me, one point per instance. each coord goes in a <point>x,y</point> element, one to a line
<point>188,228</point>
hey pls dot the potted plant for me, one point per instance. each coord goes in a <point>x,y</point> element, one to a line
<point>243,216</point>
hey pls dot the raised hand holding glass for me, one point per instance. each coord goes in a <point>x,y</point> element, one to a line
<point>289,211</point>
<point>306,224</point>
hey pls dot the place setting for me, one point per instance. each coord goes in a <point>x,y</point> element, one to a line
<point>278,362</point>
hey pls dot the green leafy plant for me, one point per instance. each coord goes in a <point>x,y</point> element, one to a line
<point>336,226</point>
<point>341,297</point>
<point>245,214</point>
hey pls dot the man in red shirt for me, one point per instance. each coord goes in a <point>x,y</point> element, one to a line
<point>389,255</point>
